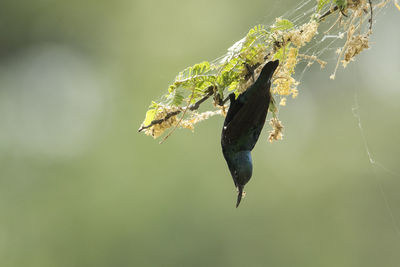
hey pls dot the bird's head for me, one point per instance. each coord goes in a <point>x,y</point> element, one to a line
<point>241,168</point>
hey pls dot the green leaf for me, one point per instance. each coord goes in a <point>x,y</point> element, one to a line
<point>281,52</point>
<point>226,78</point>
<point>272,107</point>
<point>171,88</point>
<point>233,86</point>
<point>282,25</point>
<point>200,68</point>
<point>342,4</point>
<point>256,30</point>
<point>221,92</point>
<point>153,105</point>
<point>197,69</point>
<point>150,115</point>
<point>322,3</point>
<point>177,99</point>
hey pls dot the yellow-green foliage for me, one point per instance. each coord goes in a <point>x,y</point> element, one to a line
<point>241,65</point>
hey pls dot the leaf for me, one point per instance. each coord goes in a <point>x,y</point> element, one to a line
<point>272,107</point>
<point>281,52</point>
<point>233,86</point>
<point>150,115</point>
<point>200,68</point>
<point>256,30</point>
<point>177,99</point>
<point>221,92</point>
<point>171,88</point>
<point>230,73</point>
<point>153,105</point>
<point>282,25</point>
<point>322,3</point>
<point>342,4</point>
<point>226,78</point>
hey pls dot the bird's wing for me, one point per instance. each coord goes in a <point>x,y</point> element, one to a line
<point>246,120</point>
<point>234,108</point>
<point>246,115</point>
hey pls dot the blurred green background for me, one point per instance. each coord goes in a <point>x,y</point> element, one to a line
<point>80,187</point>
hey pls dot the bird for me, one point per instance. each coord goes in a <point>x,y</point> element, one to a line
<point>243,124</point>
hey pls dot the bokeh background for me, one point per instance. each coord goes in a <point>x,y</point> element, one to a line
<point>80,187</point>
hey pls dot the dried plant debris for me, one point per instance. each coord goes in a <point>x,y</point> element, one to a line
<point>240,66</point>
<point>277,128</point>
<point>356,45</point>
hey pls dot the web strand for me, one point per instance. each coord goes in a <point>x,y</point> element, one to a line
<point>374,165</point>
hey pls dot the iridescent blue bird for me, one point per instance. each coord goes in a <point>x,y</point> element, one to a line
<point>243,124</point>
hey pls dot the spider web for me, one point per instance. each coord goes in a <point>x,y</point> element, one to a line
<point>325,46</point>
<point>329,46</point>
<point>329,43</point>
<point>375,165</point>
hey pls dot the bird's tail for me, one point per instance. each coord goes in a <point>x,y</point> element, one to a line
<point>240,193</point>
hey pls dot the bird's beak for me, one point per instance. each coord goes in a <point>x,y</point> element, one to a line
<point>240,193</point>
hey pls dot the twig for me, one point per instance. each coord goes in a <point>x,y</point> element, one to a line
<point>174,113</point>
<point>330,11</point>
<point>397,4</point>
<point>179,122</point>
<point>313,58</point>
<point>333,25</point>
<point>370,19</point>
<point>198,103</point>
<point>154,122</point>
<point>350,32</point>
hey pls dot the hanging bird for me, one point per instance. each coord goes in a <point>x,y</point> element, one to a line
<point>243,124</point>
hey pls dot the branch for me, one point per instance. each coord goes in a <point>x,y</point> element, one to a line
<point>195,106</point>
<point>370,19</point>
